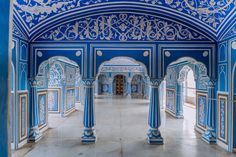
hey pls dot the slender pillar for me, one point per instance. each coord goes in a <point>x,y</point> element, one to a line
<point>179,100</point>
<point>96,87</point>
<point>89,135</point>
<point>209,135</point>
<point>35,133</point>
<point>110,86</point>
<point>154,119</point>
<point>129,87</point>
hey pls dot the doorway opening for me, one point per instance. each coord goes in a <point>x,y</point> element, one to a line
<point>119,83</point>
<point>187,92</point>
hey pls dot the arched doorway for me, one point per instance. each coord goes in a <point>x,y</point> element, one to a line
<point>119,84</point>
<point>57,90</point>
<point>187,92</point>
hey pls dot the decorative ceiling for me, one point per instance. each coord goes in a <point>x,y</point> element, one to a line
<point>213,16</point>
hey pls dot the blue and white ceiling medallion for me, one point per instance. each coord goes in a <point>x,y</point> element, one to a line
<point>99,52</point>
<point>78,53</point>
<point>205,54</point>
<point>146,53</point>
<point>39,53</point>
<point>167,53</point>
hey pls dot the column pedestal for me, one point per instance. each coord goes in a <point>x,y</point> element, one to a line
<point>35,134</point>
<point>89,136</point>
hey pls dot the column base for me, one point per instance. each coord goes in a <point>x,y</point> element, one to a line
<point>36,135</point>
<point>208,137</point>
<point>89,136</point>
<point>154,137</point>
<point>180,116</point>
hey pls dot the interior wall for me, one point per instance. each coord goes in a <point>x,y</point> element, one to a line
<point>225,84</point>
<point>20,117</point>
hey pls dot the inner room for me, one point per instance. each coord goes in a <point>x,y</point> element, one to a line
<point>117,78</point>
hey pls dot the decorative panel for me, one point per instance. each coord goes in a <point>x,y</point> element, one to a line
<point>22,117</point>
<point>70,99</point>
<point>53,100</point>
<point>77,94</point>
<point>222,120</point>
<point>202,101</point>
<point>105,88</point>
<point>42,105</point>
<point>170,100</point>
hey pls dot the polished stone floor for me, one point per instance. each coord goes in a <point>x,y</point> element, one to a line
<point>121,130</point>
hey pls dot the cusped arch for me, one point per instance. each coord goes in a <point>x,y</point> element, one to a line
<point>123,60</point>
<point>44,68</point>
<point>193,64</point>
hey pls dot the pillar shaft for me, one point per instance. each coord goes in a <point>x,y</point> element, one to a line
<point>210,134</point>
<point>89,115</point>
<point>179,100</point>
<point>35,133</point>
<point>154,118</point>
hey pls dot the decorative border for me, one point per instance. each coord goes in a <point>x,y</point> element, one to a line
<point>225,98</point>
<point>43,92</point>
<point>58,90</point>
<point>20,96</point>
<point>198,93</point>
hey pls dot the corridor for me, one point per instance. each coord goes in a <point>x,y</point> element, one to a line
<point>121,127</point>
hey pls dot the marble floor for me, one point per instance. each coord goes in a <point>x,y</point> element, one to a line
<point>121,130</point>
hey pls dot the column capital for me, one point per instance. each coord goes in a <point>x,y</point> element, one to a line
<point>212,84</point>
<point>155,82</point>
<point>33,82</point>
<point>88,82</point>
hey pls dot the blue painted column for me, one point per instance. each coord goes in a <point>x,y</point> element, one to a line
<point>35,133</point>
<point>209,135</point>
<point>179,100</point>
<point>129,87</point>
<point>4,60</point>
<point>110,86</point>
<point>96,87</point>
<point>154,119</point>
<point>89,135</point>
